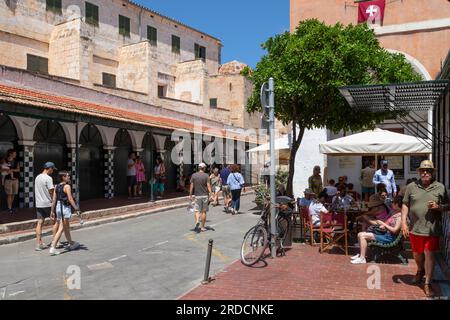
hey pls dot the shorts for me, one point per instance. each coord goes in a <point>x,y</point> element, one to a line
<point>226,190</point>
<point>131,181</point>
<point>421,243</point>
<point>385,237</point>
<point>42,213</point>
<point>216,189</point>
<point>201,203</point>
<point>66,211</point>
<point>12,187</point>
<point>158,187</point>
<point>367,189</point>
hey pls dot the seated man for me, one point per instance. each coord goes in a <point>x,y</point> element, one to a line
<point>385,232</point>
<point>355,195</point>
<point>342,200</point>
<point>316,207</point>
<point>306,201</point>
<point>331,189</point>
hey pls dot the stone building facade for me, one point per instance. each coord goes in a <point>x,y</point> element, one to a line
<point>114,77</point>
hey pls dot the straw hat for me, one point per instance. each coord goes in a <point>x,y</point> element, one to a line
<point>375,201</point>
<point>308,191</point>
<point>426,164</point>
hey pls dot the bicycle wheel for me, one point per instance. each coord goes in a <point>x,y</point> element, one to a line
<point>283,227</point>
<point>254,245</point>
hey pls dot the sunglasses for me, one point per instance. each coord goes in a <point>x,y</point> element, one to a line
<point>425,171</point>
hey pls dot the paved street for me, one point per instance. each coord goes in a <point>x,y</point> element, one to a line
<point>151,257</point>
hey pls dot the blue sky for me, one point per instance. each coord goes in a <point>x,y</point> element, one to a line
<point>242,25</point>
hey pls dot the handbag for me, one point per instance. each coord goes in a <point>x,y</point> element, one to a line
<point>376,230</point>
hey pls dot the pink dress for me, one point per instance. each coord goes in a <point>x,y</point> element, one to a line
<point>140,173</point>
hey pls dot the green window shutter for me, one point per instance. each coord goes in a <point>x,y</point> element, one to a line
<point>152,35</point>
<point>92,14</point>
<point>37,64</point>
<point>203,53</point>
<point>176,44</point>
<point>197,51</point>
<point>200,52</point>
<point>54,6</point>
<point>124,26</point>
<point>109,80</point>
<point>213,103</point>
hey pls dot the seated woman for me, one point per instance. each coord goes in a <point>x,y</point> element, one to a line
<point>385,233</point>
<point>355,195</point>
<point>378,210</point>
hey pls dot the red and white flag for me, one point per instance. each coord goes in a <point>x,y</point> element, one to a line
<point>371,12</point>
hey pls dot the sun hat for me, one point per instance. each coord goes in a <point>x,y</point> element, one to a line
<point>375,201</point>
<point>308,191</point>
<point>426,164</point>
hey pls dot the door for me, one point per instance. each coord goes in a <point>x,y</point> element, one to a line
<point>91,172</point>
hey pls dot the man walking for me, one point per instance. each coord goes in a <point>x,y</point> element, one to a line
<point>43,193</point>
<point>367,188</point>
<point>315,181</point>
<point>424,201</point>
<point>386,177</point>
<point>131,176</point>
<point>12,179</point>
<point>201,189</point>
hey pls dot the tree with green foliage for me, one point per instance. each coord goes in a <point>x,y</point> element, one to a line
<point>310,64</point>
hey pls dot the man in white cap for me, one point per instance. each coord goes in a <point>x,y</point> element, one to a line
<point>201,189</point>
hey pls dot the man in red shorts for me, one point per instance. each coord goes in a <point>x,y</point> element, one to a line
<point>424,200</point>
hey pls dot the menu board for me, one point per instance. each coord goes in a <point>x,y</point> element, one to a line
<point>396,164</point>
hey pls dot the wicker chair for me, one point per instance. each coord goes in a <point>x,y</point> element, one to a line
<point>394,248</point>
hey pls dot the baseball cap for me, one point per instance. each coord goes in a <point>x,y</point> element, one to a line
<point>202,165</point>
<point>383,162</point>
<point>50,165</point>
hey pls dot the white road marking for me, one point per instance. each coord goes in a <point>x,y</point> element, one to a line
<point>100,266</point>
<point>117,258</point>
<point>155,245</point>
<point>160,243</point>
<point>15,293</point>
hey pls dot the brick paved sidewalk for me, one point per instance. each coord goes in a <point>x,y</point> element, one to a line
<point>305,274</point>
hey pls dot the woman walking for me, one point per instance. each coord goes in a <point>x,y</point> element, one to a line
<point>140,174</point>
<point>63,203</point>
<point>216,184</point>
<point>236,182</point>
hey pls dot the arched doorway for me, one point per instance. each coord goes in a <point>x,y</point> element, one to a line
<point>8,140</point>
<point>50,146</point>
<point>124,146</point>
<point>148,156</point>
<point>91,163</point>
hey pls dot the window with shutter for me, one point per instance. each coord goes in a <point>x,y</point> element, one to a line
<point>152,35</point>
<point>124,26</point>
<point>54,6</point>
<point>213,103</point>
<point>91,14</point>
<point>200,52</point>
<point>176,44</point>
<point>37,64</point>
<point>109,80</point>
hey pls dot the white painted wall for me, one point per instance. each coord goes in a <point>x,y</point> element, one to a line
<point>308,156</point>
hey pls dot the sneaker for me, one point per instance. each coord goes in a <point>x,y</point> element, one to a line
<point>54,252</point>
<point>356,256</point>
<point>10,211</point>
<point>359,261</point>
<point>41,247</point>
<point>60,246</point>
<point>197,227</point>
<point>75,245</point>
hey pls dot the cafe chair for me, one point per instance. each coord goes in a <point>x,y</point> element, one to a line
<point>333,229</point>
<point>307,224</point>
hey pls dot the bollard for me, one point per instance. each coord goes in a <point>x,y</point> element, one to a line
<point>206,278</point>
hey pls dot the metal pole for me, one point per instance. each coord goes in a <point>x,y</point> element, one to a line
<point>208,262</point>
<point>273,229</point>
<point>152,196</point>
<point>77,166</point>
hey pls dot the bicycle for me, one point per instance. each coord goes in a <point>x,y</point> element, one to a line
<point>259,237</point>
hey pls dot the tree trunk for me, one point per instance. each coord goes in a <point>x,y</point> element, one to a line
<point>295,145</point>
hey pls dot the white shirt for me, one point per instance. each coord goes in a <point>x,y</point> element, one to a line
<point>131,171</point>
<point>315,208</point>
<point>42,185</point>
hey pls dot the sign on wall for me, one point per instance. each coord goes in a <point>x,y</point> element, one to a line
<point>347,162</point>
